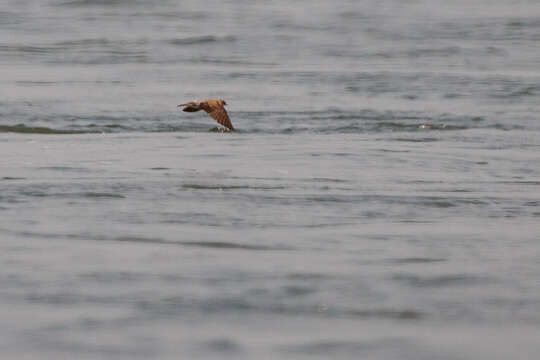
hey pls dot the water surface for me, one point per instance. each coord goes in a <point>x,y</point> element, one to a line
<point>380,199</point>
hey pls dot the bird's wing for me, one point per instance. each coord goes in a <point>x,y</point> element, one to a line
<point>220,115</point>
<point>191,106</point>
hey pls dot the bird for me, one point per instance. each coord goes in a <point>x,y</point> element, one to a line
<point>214,107</point>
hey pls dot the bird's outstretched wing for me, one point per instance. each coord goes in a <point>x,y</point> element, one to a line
<point>220,115</point>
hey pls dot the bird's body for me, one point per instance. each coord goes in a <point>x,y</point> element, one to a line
<point>214,107</point>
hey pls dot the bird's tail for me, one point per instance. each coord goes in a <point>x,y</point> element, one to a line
<point>190,107</point>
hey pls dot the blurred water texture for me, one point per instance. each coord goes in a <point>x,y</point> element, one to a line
<point>379,200</point>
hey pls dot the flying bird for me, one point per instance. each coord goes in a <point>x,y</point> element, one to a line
<point>214,107</point>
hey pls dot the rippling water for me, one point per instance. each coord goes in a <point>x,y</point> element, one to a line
<point>380,199</point>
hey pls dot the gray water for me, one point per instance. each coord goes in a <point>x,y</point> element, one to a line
<point>380,199</point>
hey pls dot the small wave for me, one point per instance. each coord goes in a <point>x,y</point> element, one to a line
<point>26,49</point>
<point>12,178</point>
<point>214,187</point>
<point>344,349</point>
<point>435,52</point>
<point>201,40</point>
<point>226,245</point>
<point>524,23</point>
<point>515,90</point>
<point>438,281</point>
<point>333,121</point>
<point>505,127</point>
<point>256,305</point>
<point>241,61</point>
<point>202,244</point>
<point>228,187</point>
<point>114,47</point>
<point>392,126</point>
<point>35,83</point>
<point>416,260</point>
<point>525,91</point>
<point>77,3</point>
<point>102,195</point>
<point>393,314</point>
<point>22,129</point>
<point>85,51</point>
<point>334,180</point>
<point>84,42</point>
<point>416,140</point>
<point>104,128</point>
<point>63,168</point>
<point>520,182</point>
<point>62,195</point>
<point>329,199</point>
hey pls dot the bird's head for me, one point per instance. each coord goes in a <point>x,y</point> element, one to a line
<point>223,101</point>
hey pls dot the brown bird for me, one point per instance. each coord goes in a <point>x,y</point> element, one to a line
<point>214,107</point>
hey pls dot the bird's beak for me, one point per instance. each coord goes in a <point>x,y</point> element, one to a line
<point>182,105</point>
